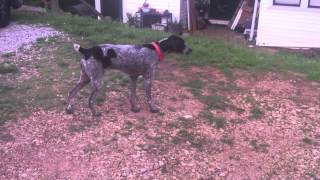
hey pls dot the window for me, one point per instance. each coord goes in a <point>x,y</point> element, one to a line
<point>287,2</point>
<point>314,3</point>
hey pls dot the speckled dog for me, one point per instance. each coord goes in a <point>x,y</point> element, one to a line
<point>135,60</point>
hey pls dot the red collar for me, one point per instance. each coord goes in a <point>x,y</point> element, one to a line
<point>158,50</point>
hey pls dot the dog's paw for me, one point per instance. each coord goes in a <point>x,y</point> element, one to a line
<point>154,109</point>
<point>135,109</point>
<point>69,110</point>
<point>76,47</point>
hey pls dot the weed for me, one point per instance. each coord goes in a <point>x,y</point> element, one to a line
<point>100,99</point>
<point>256,112</point>
<point>7,67</point>
<point>259,147</point>
<point>7,55</point>
<point>186,123</point>
<point>217,122</point>
<point>227,140</point>
<point>63,64</point>
<point>308,141</point>
<point>183,136</point>
<point>195,86</point>
<point>215,102</point>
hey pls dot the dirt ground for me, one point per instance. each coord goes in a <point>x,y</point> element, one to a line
<point>211,126</point>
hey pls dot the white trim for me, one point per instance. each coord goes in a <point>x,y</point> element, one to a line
<point>97,4</point>
<point>219,21</point>
<point>253,22</point>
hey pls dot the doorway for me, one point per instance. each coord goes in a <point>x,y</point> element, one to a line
<point>112,8</point>
<point>222,11</point>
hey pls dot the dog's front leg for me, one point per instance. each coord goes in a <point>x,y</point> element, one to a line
<point>96,86</point>
<point>133,95</point>
<point>148,78</point>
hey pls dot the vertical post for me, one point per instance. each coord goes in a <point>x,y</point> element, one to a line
<point>97,4</point>
<point>253,23</point>
<point>188,13</point>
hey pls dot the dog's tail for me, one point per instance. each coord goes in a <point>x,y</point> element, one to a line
<point>97,53</point>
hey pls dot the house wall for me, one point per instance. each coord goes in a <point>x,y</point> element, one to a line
<point>284,26</point>
<point>132,6</point>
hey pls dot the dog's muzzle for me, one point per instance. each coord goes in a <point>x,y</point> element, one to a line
<point>187,50</point>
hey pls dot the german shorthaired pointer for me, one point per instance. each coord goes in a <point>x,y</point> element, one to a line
<point>135,60</point>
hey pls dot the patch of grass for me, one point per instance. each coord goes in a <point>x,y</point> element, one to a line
<point>217,122</point>
<point>186,123</point>
<point>185,136</point>
<point>227,140</point>
<point>7,55</point>
<point>205,51</point>
<point>63,64</point>
<point>309,141</point>
<point>195,85</point>
<point>215,102</point>
<point>44,91</point>
<point>256,112</point>
<point>259,147</point>
<point>7,67</point>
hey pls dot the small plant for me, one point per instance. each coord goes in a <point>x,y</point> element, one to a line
<point>217,122</point>
<point>256,113</point>
<point>308,141</point>
<point>186,123</point>
<point>259,147</point>
<point>215,102</point>
<point>132,20</point>
<point>195,86</point>
<point>7,67</point>
<point>7,55</point>
<point>227,140</point>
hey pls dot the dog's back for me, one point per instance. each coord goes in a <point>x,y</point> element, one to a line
<point>132,59</point>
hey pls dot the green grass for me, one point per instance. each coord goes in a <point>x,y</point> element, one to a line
<point>205,51</point>
<point>217,122</point>
<point>256,112</point>
<point>45,90</point>
<point>7,67</point>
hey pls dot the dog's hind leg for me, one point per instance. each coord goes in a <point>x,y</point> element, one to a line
<point>83,81</point>
<point>148,78</point>
<point>133,95</point>
<point>96,86</point>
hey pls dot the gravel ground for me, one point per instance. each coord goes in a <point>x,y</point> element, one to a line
<point>181,142</point>
<point>16,35</point>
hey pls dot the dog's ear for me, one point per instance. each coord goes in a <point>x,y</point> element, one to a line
<point>111,53</point>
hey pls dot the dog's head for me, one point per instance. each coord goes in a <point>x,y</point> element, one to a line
<point>175,44</point>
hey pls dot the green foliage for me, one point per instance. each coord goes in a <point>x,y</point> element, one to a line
<point>205,51</point>
<point>7,67</point>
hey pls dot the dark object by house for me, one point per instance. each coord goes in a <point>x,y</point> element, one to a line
<point>223,9</point>
<point>175,28</point>
<point>149,18</point>
<point>82,10</point>
<point>5,7</point>
<point>113,9</point>
<point>202,7</point>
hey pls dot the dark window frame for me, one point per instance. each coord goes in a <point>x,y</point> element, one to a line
<point>311,6</point>
<point>284,4</point>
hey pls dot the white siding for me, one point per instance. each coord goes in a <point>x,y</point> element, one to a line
<point>283,26</point>
<point>132,6</point>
